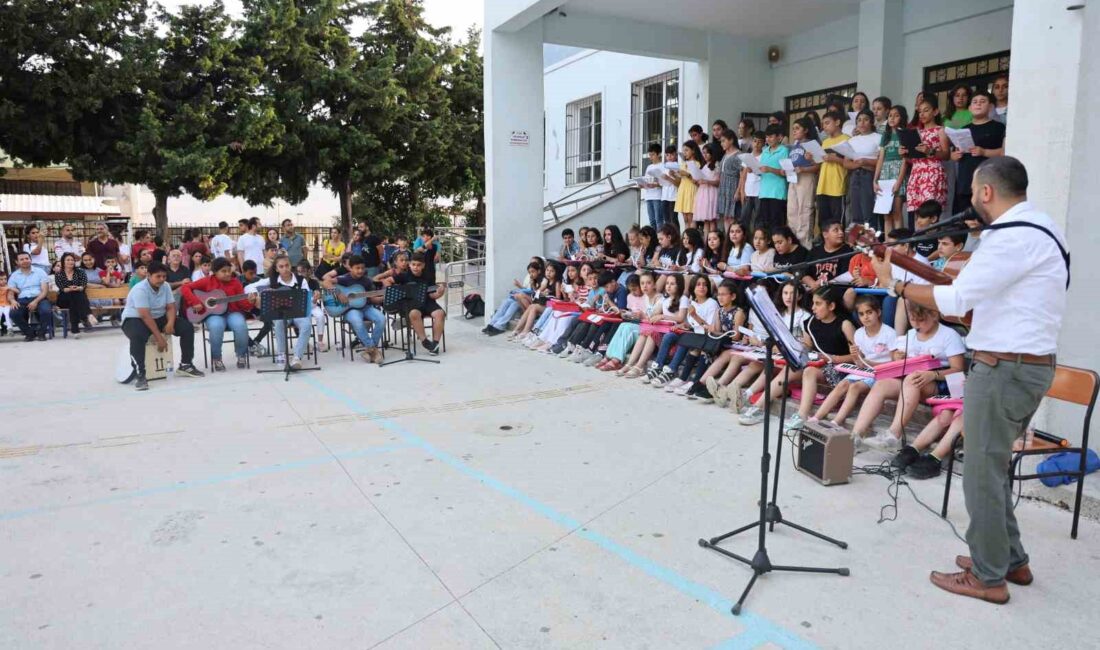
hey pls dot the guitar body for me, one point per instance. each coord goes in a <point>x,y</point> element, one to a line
<point>209,299</point>
<point>336,308</point>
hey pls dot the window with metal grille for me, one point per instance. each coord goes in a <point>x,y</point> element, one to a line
<point>977,72</point>
<point>655,116</point>
<point>759,120</point>
<point>799,106</point>
<point>584,140</point>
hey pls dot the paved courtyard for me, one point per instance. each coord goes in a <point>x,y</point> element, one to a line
<point>501,499</point>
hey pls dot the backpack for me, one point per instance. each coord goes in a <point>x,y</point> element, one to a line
<point>473,306</point>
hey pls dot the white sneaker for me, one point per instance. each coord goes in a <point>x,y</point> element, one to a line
<point>594,360</point>
<point>859,445</point>
<point>674,385</point>
<point>92,320</point>
<point>684,388</point>
<point>581,355</point>
<point>741,399</point>
<point>566,351</point>
<point>884,441</point>
<point>279,359</point>
<point>296,363</point>
<point>795,421</point>
<point>752,415</point>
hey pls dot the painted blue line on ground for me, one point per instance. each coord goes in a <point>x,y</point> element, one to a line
<point>755,625</point>
<point>204,482</point>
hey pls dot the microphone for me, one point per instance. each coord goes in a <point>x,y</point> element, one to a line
<point>968,213</point>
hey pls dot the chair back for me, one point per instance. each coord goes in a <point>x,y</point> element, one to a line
<point>1076,385</point>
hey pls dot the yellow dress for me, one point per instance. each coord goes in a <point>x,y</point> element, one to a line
<point>685,193</point>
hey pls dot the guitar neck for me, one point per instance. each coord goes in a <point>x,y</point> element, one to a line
<point>222,301</point>
<point>915,267</point>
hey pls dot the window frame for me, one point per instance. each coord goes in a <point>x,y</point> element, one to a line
<point>578,133</point>
<point>670,117</point>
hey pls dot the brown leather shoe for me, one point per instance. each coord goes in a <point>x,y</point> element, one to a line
<point>964,583</point>
<point>1018,576</point>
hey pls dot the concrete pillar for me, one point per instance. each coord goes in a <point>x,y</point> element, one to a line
<point>513,155</point>
<point>881,48</point>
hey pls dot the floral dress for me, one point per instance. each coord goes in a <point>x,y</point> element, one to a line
<point>927,181</point>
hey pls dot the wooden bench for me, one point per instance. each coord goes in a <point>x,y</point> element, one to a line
<point>107,293</point>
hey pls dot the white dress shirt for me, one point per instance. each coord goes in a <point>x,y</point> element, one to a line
<point>1015,283</point>
<point>74,246</point>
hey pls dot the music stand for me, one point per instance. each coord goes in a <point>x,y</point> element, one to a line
<point>400,300</point>
<point>796,357</point>
<point>285,305</point>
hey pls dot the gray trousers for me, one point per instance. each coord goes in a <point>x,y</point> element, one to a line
<point>999,403</point>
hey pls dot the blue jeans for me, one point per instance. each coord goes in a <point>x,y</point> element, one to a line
<point>304,325</point>
<point>543,319</point>
<point>656,212</point>
<point>507,310</point>
<point>667,341</point>
<point>378,325</point>
<point>20,316</point>
<point>216,326</point>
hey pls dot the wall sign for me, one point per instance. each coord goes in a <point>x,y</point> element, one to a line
<point>519,139</point>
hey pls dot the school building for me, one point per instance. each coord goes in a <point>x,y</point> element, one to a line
<point>575,90</point>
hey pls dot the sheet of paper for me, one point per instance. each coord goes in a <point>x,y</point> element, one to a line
<point>750,161</point>
<point>788,167</point>
<point>814,148</point>
<point>843,149</point>
<point>961,138</point>
<point>884,200</point>
<point>866,146</point>
<point>642,181</point>
<point>696,172</point>
<point>843,278</point>
<point>955,383</point>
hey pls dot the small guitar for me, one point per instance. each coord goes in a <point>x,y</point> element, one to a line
<point>213,302</point>
<point>356,295</point>
<point>865,240</point>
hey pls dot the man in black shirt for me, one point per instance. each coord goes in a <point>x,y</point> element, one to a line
<point>832,243</point>
<point>417,274</point>
<point>989,142</point>
<point>372,250</point>
<point>178,274</point>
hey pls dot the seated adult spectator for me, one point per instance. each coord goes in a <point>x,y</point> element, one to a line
<point>418,273</point>
<point>216,324</point>
<point>91,274</point>
<point>151,312</point>
<point>143,241</point>
<point>178,274</point>
<point>29,285</point>
<point>71,286</point>
<point>67,243</point>
<point>357,276</point>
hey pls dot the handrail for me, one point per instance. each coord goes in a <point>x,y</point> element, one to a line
<point>553,206</point>
<point>585,187</point>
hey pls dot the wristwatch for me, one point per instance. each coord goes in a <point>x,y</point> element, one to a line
<point>893,290</point>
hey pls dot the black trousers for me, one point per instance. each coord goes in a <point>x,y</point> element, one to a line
<point>770,214</point>
<point>77,304</point>
<point>588,335</point>
<point>139,334</point>
<point>829,209</point>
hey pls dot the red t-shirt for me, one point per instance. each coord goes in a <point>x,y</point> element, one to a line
<point>863,263</point>
<point>231,288</point>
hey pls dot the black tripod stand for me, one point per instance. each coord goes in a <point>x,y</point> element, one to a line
<point>285,305</point>
<point>760,562</point>
<point>400,300</point>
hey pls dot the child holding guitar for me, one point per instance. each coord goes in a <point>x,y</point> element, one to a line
<point>220,302</point>
<point>343,290</point>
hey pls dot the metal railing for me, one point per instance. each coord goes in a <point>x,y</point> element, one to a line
<point>466,276</point>
<point>459,244</point>
<point>554,207</point>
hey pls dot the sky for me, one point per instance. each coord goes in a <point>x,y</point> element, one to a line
<point>321,205</point>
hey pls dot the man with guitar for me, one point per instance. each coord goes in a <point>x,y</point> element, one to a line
<point>220,301</point>
<point>1015,285</point>
<point>151,311</point>
<point>357,282</point>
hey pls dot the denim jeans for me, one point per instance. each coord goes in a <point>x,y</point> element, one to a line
<point>378,325</point>
<point>655,210</point>
<point>20,316</point>
<point>543,319</point>
<point>304,325</point>
<point>667,341</point>
<point>507,310</point>
<point>216,326</point>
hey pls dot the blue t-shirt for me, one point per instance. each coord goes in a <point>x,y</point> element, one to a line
<point>143,295</point>
<point>772,186</point>
<point>744,259</point>
<point>798,155</point>
<point>27,285</point>
<point>294,247</point>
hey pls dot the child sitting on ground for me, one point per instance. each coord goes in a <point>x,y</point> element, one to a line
<point>737,392</point>
<point>638,311</point>
<point>873,344</point>
<point>550,287</point>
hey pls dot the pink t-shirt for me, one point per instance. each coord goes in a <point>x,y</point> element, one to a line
<point>635,303</point>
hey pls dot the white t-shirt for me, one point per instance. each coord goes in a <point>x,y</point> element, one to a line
<point>667,302</point>
<point>693,263</point>
<point>124,249</point>
<point>876,348</point>
<point>221,245</point>
<point>752,182</point>
<point>944,343</point>
<point>668,188</point>
<point>43,257</point>
<point>197,275</point>
<point>901,274</point>
<point>800,317</point>
<point>708,310</point>
<point>252,247</point>
<point>656,170</point>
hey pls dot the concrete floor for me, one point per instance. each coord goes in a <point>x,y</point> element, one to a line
<point>500,499</point>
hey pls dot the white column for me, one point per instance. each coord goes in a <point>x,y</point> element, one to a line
<point>513,161</point>
<point>881,52</point>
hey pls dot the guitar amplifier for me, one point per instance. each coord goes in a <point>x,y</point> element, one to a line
<point>825,452</point>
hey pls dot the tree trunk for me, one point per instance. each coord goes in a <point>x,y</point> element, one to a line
<point>344,192</point>
<point>160,213</point>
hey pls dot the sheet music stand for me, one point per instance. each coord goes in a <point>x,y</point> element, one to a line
<point>400,299</point>
<point>796,357</point>
<point>285,305</point>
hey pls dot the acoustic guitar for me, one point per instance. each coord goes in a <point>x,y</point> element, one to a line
<point>356,295</point>
<point>865,240</point>
<point>214,302</point>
